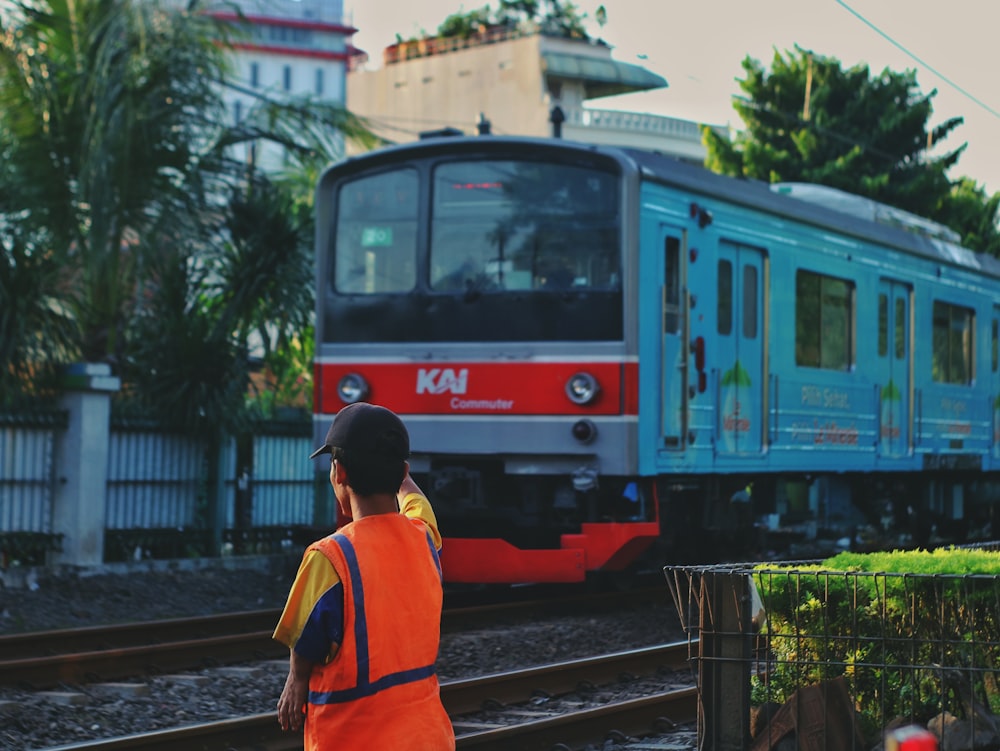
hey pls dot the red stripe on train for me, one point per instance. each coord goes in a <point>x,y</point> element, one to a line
<point>480,388</point>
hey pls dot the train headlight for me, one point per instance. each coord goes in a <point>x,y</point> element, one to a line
<point>582,388</point>
<point>352,388</point>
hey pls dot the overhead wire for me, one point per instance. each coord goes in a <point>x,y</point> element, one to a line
<point>910,54</point>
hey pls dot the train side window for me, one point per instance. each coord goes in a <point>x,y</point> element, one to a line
<point>995,346</point>
<point>883,325</point>
<point>725,293</point>
<point>900,328</point>
<point>672,286</point>
<point>953,344</point>
<point>750,302</point>
<point>824,321</point>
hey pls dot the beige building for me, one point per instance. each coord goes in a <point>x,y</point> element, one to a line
<point>514,80</point>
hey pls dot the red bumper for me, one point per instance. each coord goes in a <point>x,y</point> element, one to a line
<point>598,547</point>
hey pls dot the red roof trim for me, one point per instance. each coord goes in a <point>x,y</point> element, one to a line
<point>289,23</point>
<point>292,51</point>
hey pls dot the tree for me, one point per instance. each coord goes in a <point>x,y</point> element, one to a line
<point>103,104</point>
<point>37,333</point>
<point>809,120</point>
<point>971,212</point>
<point>556,17</point>
<point>119,192</point>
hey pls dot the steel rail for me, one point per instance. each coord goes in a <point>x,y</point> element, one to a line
<point>157,659</point>
<point>471,694</point>
<point>261,732</point>
<point>134,634</point>
<point>650,714</point>
<point>103,653</point>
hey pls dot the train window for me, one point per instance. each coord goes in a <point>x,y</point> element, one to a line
<point>509,225</point>
<point>995,346</point>
<point>883,325</point>
<point>824,321</point>
<point>375,249</point>
<point>672,286</point>
<point>952,344</point>
<point>900,328</point>
<point>725,289</point>
<point>750,302</point>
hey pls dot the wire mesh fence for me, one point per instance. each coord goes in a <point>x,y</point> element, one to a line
<point>814,659</point>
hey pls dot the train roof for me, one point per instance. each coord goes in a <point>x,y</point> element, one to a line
<point>821,207</point>
<point>816,205</point>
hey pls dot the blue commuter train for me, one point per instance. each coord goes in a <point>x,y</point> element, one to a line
<point>603,354</point>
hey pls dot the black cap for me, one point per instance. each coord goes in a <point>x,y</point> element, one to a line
<point>367,429</point>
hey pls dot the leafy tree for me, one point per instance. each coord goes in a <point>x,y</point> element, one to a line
<point>555,17</point>
<point>810,120</point>
<point>464,25</point>
<point>210,311</point>
<point>186,366</point>
<point>37,333</point>
<point>103,104</point>
<point>971,212</point>
<point>119,194</point>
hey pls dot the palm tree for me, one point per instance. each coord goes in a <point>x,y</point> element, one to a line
<point>104,106</point>
<point>117,164</point>
<point>37,333</point>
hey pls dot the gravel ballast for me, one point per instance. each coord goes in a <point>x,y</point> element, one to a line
<point>36,721</point>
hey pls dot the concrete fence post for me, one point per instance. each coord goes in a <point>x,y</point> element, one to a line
<point>81,465</point>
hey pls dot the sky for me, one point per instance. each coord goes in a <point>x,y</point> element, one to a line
<point>698,47</point>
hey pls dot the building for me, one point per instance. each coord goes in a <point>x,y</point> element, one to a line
<point>284,49</point>
<point>514,79</point>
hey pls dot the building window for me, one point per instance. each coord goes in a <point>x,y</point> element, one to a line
<point>254,75</point>
<point>824,321</point>
<point>952,344</point>
<point>237,112</point>
<point>319,82</point>
<point>287,77</point>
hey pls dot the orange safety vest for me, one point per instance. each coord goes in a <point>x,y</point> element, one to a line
<point>380,690</point>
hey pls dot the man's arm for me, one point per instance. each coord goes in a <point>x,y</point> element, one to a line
<point>414,504</point>
<point>292,703</point>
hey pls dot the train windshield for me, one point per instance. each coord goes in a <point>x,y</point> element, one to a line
<point>377,234</point>
<point>454,250</point>
<point>506,225</point>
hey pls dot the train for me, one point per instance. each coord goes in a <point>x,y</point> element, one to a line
<point>607,355</point>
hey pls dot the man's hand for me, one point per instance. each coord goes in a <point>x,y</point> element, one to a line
<point>292,703</point>
<point>408,486</point>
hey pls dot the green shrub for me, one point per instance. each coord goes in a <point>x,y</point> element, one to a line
<point>890,623</point>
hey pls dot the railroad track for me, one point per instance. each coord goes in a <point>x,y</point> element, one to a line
<point>104,653</point>
<point>509,702</point>
<point>45,659</point>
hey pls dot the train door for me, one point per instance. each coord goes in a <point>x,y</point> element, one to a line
<point>741,340</point>
<point>676,333</point>
<point>894,385</point>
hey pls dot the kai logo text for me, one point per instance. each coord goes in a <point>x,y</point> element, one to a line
<point>442,380</point>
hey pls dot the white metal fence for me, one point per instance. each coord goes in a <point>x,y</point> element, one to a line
<point>158,484</point>
<point>27,475</point>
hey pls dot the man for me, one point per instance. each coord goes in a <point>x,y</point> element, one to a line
<point>363,617</point>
